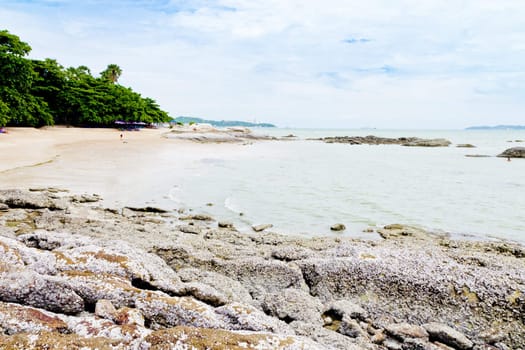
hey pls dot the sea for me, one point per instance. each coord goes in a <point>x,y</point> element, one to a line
<point>304,186</point>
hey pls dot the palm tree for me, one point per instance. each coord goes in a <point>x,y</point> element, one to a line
<point>112,73</point>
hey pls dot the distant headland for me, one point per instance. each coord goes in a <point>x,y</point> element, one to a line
<point>497,127</point>
<point>221,123</point>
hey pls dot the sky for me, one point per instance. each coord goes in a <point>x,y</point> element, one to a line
<point>440,64</point>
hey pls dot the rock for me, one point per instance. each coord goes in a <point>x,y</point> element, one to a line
<point>351,328</point>
<point>190,229</point>
<point>321,335</point>
<point>225,224</point>
<point>260,276</point>
<point>57,341</point>
<point>198,217</point>
<point>105,309</point>
<point>244,317</point>
<point>86,198</point>
<point>4,207</point>
<point>15,318</point>
<point>379,337</point>
<point>465,145</point>
<point>447,335</point>
<point>428,143</point>
<point>205,293</point>
<point>128,316</point>
<point>477,155</point>
<point>368,140</point>
<point>129,336</point>
<point>261,227</point>
<point>493,335</point>
<point>291,253</point>
<point>230,289</point>
<point>342,308</point>
<point>402,331</point>
<point>399,231</point>
<point>149,210</point>
<point>29,200</point>
<point>338,227</point>
<point>514,152</point>
<point>392,344</point>
<point>200,338</point>
<point>46,292</point>
<point>174,311</point>
<point>293,305</point>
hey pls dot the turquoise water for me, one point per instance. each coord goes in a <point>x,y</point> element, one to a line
<point>303,187</point>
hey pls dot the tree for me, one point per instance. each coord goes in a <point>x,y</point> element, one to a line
<point>20,106</point>
<point>11,44</point>
<point>112,73</point>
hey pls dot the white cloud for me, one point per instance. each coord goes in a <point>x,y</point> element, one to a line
<point>427,63</point>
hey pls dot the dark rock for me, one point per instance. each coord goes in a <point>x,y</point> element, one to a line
<point>4,207</point>
<point>225,224</point>
<point>465,145</point>
<point>514,152</point>
<point>148,210</point>
<point>338,227</point>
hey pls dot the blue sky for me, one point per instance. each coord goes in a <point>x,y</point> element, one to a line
<point>298,63</point>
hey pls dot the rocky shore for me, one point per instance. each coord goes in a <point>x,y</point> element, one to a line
<point>76,275</point>
<point>375,140</point>
<point>205,133</point>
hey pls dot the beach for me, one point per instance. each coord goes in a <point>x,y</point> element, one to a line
<point>94,160</point>
<point>127,273</point>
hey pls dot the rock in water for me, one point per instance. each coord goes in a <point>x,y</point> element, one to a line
<point>514,152</point>
<point>338,227</point>
<point>428,143</point>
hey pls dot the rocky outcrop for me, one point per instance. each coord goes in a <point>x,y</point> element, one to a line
<point>428,143</point>
<point>375,140</point>
<point>514,152</point>
<point>86,277</point>
<point>205,133</point>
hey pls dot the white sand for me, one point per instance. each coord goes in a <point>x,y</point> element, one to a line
<point>125,172</point>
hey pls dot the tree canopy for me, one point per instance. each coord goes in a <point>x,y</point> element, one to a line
<point>43,92</point>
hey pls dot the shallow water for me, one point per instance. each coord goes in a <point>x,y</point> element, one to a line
<point>305,186</point>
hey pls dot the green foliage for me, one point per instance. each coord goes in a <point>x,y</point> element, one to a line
<point>36,93</point>
<point>111,73</point>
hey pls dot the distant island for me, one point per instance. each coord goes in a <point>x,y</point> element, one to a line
<point>497,127</point>
<point>221,123</point>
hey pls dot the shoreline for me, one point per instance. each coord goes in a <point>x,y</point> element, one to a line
<point>175,269</point>
<point>87,160</point>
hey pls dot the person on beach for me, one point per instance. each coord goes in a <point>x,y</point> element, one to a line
<point>508,159</point>
<point>121,136</point>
